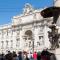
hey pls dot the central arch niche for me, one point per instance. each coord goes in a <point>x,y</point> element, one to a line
<point>28,39</point>
<point>28,35</point>
<point>28,32</point>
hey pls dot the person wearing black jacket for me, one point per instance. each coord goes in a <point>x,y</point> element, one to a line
<point>9,56</point>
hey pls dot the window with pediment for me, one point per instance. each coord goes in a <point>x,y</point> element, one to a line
<point>41,41</point>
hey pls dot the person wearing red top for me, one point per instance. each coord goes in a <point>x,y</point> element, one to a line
<point>35,56</point>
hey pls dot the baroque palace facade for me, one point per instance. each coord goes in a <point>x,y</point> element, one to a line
<point>27,32</point>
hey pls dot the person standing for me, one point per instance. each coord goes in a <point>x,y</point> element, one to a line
<point>20,56</point>
<point>35,56</point>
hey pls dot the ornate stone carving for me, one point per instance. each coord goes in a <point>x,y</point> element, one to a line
<point>28,9</point>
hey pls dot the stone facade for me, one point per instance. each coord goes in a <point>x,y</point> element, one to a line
<point>27,32</point>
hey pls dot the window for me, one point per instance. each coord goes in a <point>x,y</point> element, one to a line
<point>2,43</point>
<point>11,43</point>
<point>29,43</point>
<point>7,43</point>
<point>40,37</point>
<point>7,32</point>
<point>38,43</point>
<point>18,42</point>
<point>41,40</point>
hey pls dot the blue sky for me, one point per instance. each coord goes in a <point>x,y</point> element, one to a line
<point>10,8</point>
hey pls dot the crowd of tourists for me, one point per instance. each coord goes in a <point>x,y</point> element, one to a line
<point>44,55</point>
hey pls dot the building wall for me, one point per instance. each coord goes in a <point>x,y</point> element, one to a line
<point>13,37</point>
